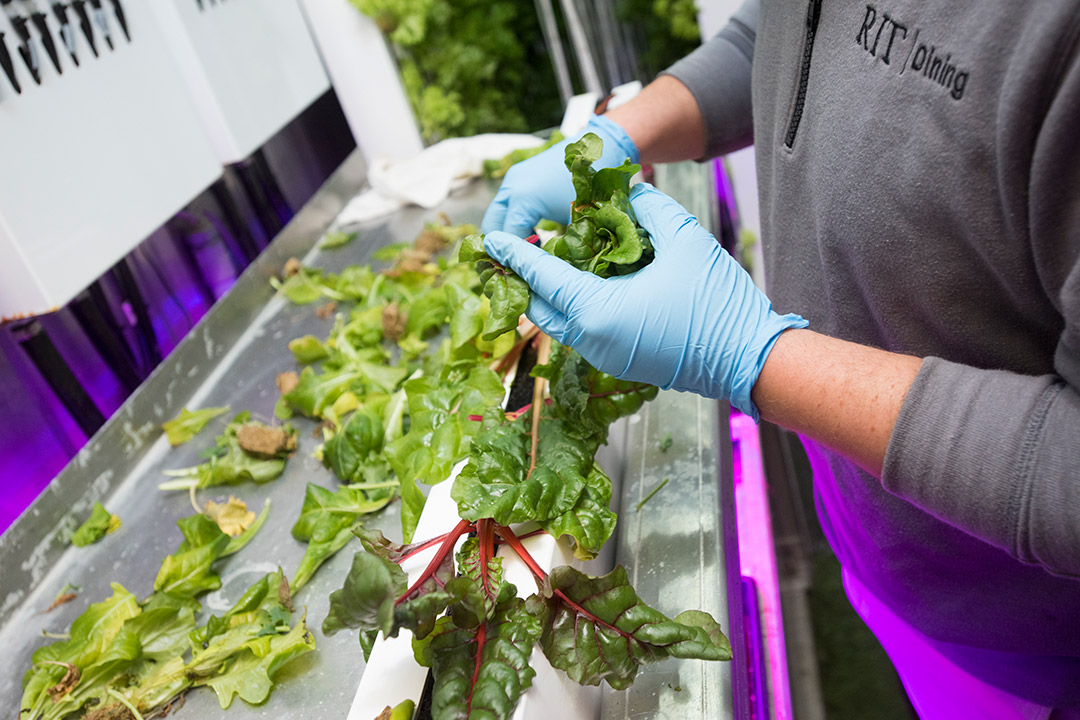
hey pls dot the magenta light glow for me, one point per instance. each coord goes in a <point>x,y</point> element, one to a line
<point>757,555</point>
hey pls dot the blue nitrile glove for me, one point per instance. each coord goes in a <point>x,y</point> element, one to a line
<point>539,188</point>
<point>691,320</point>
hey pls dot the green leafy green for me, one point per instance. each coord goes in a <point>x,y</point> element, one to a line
<point>366,600</point>
<point>471,66</point>
<point>187,572</point>
<point>230,464</point>
<point>502,482</point>
<point>303,288</point>
<point>337,239</point>
<point>509,295</point>
<point>326,522</point>
<point>598,629</point>
<point>100,523</point>
<point>188,424</point>
<point>122,653</point>
<point>590,522</point>
<point>354,452</point>
<point>308,349</point>
<point>486,667</point>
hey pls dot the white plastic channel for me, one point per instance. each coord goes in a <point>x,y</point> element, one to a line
<point>392,674</point>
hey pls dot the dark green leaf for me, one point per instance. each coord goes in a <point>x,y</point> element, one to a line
<point>499,482</point>
<point>509,300</point>
<point>609,181</point>
<point>325,523</point>
<point>472,249</point>
<point>366,600</point>
<point>590,522</point>
<point>611,632</point>
<point>502,673</point>
<point>356,444</point>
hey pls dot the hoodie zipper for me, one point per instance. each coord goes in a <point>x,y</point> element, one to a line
<point>813,13</point>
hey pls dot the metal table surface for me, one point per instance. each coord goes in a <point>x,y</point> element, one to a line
<point>673,547</point>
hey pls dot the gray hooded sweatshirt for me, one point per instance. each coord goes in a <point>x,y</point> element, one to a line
<point>919,169</point>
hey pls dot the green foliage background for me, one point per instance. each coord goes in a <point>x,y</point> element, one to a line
<point>667,30</point>
<point>474,66</point>
<point>470,66</point>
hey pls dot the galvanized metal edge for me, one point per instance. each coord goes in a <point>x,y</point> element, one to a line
<point>37,538</point>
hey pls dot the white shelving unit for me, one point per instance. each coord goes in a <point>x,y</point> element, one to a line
<point>91,160</point>
<point>251,67</point>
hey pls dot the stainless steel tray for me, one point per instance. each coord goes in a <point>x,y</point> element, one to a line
<point>232,358</point>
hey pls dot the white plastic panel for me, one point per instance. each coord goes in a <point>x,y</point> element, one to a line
<point>91,160</point>
<point>250,66</point>
<point>366,80</point>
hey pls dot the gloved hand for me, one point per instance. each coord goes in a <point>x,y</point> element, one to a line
<point>691,320</point>
<point>540,188</point>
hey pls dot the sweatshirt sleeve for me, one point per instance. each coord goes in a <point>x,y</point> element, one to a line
<point>718,75</point>
<point>996,453</point>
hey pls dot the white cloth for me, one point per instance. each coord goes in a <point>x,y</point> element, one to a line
<point>427,178</point>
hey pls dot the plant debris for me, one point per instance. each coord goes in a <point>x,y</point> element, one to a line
<point>292,267</point>
<point>68,593</point>
<point>70,680</point>
<point>394,322</point>
<point>265,442</point>
<point>287,381</point>
<point>232,516</point>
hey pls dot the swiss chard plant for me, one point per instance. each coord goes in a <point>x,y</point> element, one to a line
<point>404,365</point>
<point>534,467</point>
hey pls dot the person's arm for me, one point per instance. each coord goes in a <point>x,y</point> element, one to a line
<point>664,122</point>
<point>700,107</point>
<point>844,395</point>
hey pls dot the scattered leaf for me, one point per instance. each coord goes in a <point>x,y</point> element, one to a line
<point>100,523</point>
<point>337,239</point>
<point>232,516</point>
<point>188,424</point>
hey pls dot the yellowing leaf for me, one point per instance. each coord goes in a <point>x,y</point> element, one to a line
<point>233,516</point>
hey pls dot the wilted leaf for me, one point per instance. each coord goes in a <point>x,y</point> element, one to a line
<point>188,424</point>
<point>100,523</point>
<point>232,516</point>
